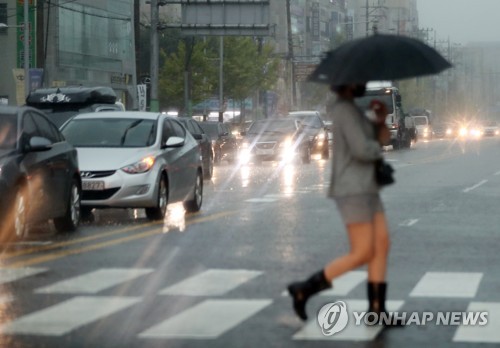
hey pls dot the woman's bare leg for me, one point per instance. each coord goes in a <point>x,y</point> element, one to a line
<point>361,238</point>
<point>378,264</point>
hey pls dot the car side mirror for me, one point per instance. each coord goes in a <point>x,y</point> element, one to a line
<point>39,144</point>
<point>174,142</point>
<point>198,136</point>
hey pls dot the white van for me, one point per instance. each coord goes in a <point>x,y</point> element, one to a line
<point>423,126</point>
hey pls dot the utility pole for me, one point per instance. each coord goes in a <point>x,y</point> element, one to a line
<point>27,33</point>
<point>155,56</point>
<point>221,80</point>
<point>291,55</point>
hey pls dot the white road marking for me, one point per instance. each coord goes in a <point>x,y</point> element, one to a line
<point>93,282</point>
<point>447,284</point>
<point>342,285</point>
<point>409,222</point>
<point>352,332</point>
<point>212,282</point>
<point>484,334</point>
<point>346,283</point>
<point>261,200</point>
<point>468,189</point>
<point>209,319</point>
<point>10,275</point>
<point>67,316</point>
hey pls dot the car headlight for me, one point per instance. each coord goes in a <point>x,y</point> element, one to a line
<point>286,143</point>
<point>321,136</point>
<point>448,131</point>
<point>141,166</point>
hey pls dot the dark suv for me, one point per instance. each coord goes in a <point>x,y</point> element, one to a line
<point>275,139</point>
<point>316,130</point>
<point>224,143</point>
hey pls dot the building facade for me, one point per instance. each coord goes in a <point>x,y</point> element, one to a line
<point>89,43</point>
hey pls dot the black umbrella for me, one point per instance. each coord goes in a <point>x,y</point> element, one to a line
<point>378,57</point>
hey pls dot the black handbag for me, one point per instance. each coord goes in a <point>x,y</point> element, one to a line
<point>383,173</point>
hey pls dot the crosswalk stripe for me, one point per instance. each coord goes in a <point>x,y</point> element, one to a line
<point>312,331</point>
<point>489,333</point>
<point>212,282</point>
<point>93,282</point>
<point>208,320</point>
<point>67,316</point>
<point>345,283</point>
<point>9,275</point>
<point>447,284</point>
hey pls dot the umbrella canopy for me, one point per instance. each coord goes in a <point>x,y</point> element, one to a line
<point>378,57</point>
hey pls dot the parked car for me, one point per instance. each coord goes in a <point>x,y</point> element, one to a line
<point>39,177</point>
<point>207,152</point>
<point>224,143</point>
<point>134,159</point>
<point>316,130</point>
<point>278,139</point>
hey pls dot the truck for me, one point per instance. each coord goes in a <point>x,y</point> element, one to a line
<point>62,103</point>
<point>401,125</point>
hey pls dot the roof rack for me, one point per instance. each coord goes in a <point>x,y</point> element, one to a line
<point>72,94</point>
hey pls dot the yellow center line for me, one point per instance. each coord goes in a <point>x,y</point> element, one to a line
<point>61,254</point>
<point>9,255</point>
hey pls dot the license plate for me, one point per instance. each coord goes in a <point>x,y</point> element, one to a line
<point>93,185</point>
<point>264,151</point>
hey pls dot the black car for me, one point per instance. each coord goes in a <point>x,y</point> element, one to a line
<point>316,130</point>
<point>224,143</point>
<point>275,139</point>
<point>205,143</point>
<point>39,176</point>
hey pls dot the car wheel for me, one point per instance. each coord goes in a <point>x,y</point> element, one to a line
<point>86,214</point>
<point>71,219</point>
<point>194,204</point>
<point>307,156</point>
<point>210,169</point>
<point>158,212</point>
<point>19,223</point>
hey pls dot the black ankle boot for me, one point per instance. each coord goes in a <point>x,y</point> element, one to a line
<point>376,300</point>
<point>301,291</point>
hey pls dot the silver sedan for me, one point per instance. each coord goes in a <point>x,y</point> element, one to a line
<point>135,159</point>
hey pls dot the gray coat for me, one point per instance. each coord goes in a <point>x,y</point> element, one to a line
<point>355,150</point>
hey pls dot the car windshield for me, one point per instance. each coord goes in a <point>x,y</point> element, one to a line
<point>310,121</point>
<point>8,132</point>
<point>212,129</point>
<point>272,126</point>
<point>110,132</point>
<point>420,120</point>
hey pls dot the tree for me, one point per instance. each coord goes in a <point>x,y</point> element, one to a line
<point>194,57</point>
<point>248,67</point>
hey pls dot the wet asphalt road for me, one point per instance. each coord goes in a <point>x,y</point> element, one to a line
<point>115,282</point>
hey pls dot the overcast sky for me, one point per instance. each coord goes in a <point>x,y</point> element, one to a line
<point>462,21</point>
